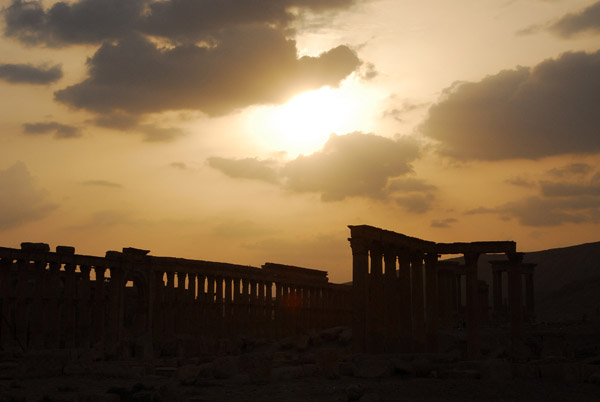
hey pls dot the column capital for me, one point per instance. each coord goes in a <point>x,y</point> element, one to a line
<point>359,246</point>
<point>515,258</point>
<point>471,258</point>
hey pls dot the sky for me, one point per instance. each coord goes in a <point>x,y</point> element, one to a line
<point>247,131</point>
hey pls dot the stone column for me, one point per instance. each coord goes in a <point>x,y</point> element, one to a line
<point>157,300</point>
<point>261,307</point>
<point>405,302</point>
<point>21,302</point>
<point>515,299</point>
<point>278,322</point>
<point>497,290</point>
<point>117,288</point>
<point>269,311</point>
<point>473,339</point>
<point>390,296</point>
<point>375,319</point>
<point>228,307</point>
<point>529,296</point>
<point>83,333</point>
<point>360,273</point>
<point>418,302</point>
<point>37,330</point>
<point>431,293</point>
<point>5,296</point>
<point>99,304</point>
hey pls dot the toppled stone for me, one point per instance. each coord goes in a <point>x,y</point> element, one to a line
<point>225,367</point>
<point>402,367</point>
<point>188,374</point>
<point>354,392</point>
<point>328,361</point>
<point>287,373</point>
<point>372,368</point>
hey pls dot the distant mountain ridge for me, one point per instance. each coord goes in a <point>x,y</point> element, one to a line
<point>567,280</point>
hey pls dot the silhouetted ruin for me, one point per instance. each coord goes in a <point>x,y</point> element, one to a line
<point>134,305</point>
<point>402,295</point>
<point>130,304</point>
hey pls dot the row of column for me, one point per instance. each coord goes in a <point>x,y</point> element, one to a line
<point>52,305</point>
<point>399,308</point>
<point>216,307</point>
<point>395,303</point>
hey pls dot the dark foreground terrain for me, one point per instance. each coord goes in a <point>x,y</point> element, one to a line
<point>556,362</point>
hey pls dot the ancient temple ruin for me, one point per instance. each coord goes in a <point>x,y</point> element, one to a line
<point>402,295</point>
<point>135,305</point>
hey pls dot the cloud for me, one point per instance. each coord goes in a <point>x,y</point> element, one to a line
<point>102,183</point>
<point>179,165</point>
<point>537,211</point>
<point>443,223</point>
<point>349,165</point>
<point>586,20</point>
<point>575,198</point>
<point>550,109</point>
<point>61,131</point>
<point>249,66</point>
<point>572,169</point>
<point>28,74</point>
<point>82,22</point>
<point>248,168</point>
<point>21,198</point>
<point>519,182</point>
<point>188,21</point>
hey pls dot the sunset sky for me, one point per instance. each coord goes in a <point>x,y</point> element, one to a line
<point>247,131</point>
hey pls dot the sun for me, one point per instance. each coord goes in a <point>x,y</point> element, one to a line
<point>305,122</point>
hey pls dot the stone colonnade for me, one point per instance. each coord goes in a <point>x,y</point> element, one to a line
<point>129,303</point>
<point>520,291</point>
<point>400,305</point>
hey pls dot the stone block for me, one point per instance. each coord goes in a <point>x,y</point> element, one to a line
<point>372,367</point>
<point>225,367</point>
<point>35,247</point>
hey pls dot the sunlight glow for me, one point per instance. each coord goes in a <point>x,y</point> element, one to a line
<point>305,122</point>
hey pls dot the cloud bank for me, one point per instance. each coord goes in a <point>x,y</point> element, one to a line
<point>28,74</point>
<point>584,21</point>
<point>549,109</point>
<point>21,198</point>
<point>350,165</point>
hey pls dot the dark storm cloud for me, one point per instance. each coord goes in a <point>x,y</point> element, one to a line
<point>586,20</point>
<point>95,21</point>
<point>248,168</point>
<point>28,74</point>
<point>21,198</point>
<point>250,66</point>
<point>349,165</point>
<point>550,109</point>
<point>60,131</point>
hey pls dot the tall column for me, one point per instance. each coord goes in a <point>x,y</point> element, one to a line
<point>431,293</point>
<point>515,291</point>
<point>497,290</point>
<point>37,329</point>
<point>405,302</point>
<point>69,306</point>
<point>418,302</point>
<point>360,273</point>
<point>117,288</point>
<point>376,304</point>
<point>5,296</point>
<point>529,296</point>
<point>473,338</point>
<point>99,304</point>
<point>390,296</point>
<point>83,335</point>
